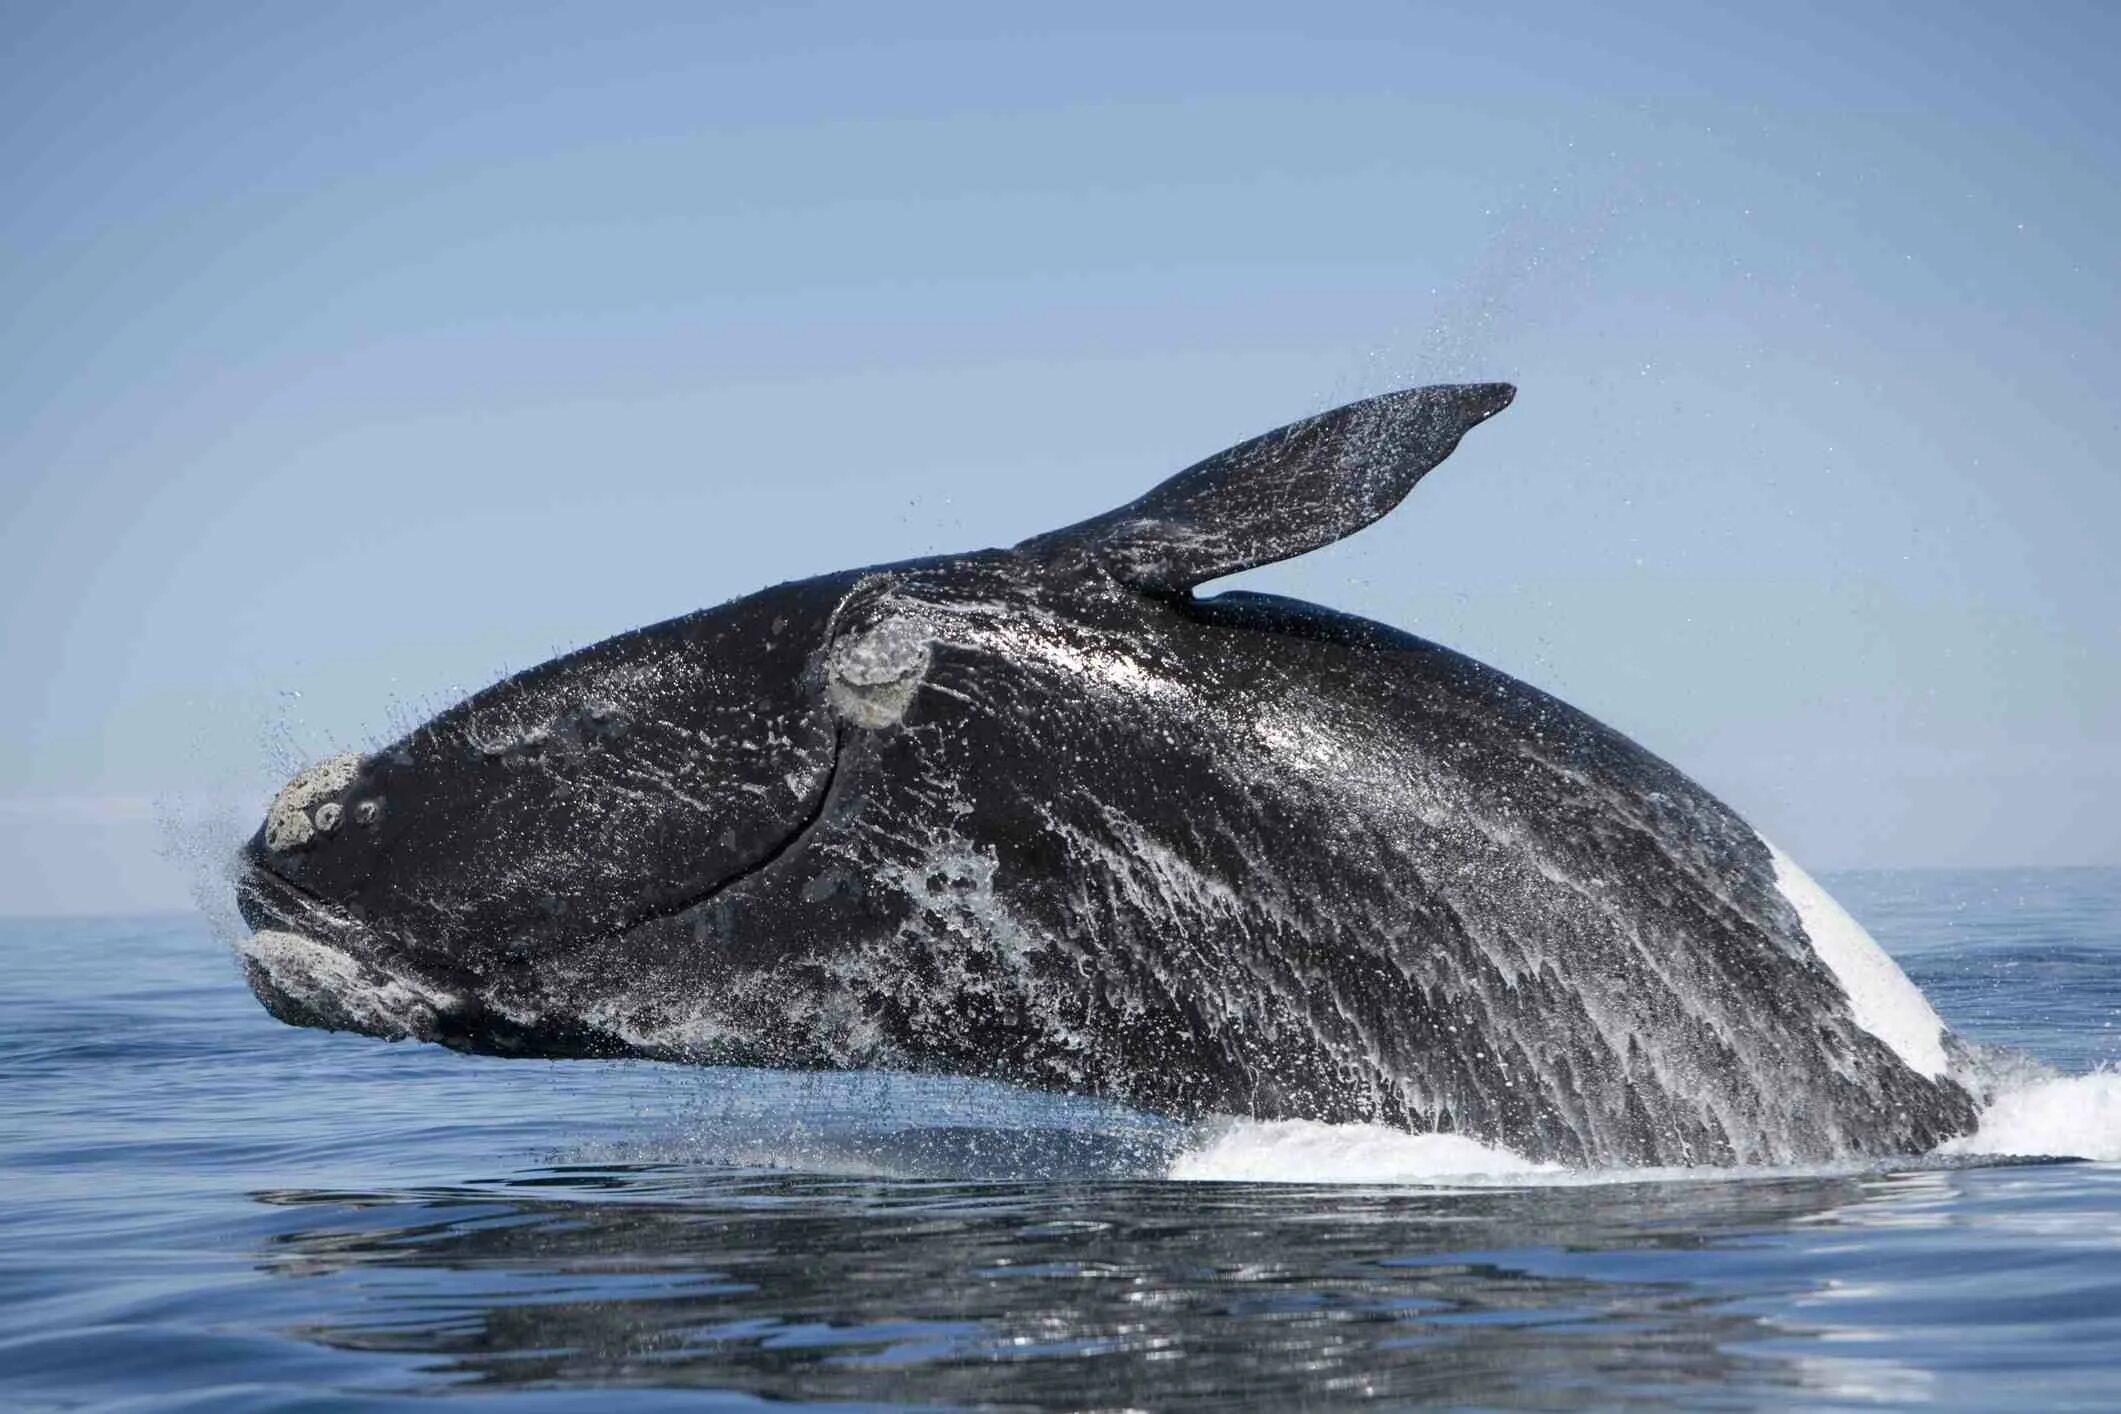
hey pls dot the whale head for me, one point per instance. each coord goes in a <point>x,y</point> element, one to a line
<point>427,888</point>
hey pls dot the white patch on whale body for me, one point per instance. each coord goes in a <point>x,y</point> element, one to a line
<point>341,988</point>
<point>1881,998</point>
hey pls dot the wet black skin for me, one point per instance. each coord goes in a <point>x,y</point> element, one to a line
<point>1229,854</point>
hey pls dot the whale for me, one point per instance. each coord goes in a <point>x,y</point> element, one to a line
<point>1048,815</point>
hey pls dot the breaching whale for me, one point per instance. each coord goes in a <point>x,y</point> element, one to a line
<point>1043,815</point>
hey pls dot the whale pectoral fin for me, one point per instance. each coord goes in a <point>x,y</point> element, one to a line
<point>1279,495</point>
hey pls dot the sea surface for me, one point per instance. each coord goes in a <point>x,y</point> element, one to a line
<point>201,1208</point>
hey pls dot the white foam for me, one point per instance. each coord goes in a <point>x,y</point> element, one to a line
<point>1305,1151</point>
<point>2076,1116</point>
<point>2069,1116</point>
<point>1881,998</point>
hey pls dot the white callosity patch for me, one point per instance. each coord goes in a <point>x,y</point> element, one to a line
<point>1881,999</point>
<point>288,824</point>
<point>341,989</point>
<point>870,678</point>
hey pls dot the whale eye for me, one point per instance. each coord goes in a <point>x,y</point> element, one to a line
<point>327,817</point>
<point>870,677</point>
<point>368,812</point>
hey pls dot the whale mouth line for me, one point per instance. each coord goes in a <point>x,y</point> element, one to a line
<point>270,902</point>
<point>827,794</point>
<point>314,965</point>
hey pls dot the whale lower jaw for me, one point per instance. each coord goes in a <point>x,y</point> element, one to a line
<point>315,966</point>
<point>305,982</point>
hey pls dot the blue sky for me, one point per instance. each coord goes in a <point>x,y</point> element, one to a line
<point>357,354</point>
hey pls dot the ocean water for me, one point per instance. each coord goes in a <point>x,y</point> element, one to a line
<point>200,1208</point>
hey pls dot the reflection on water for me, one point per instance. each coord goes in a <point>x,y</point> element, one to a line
<point>1094,1294</point>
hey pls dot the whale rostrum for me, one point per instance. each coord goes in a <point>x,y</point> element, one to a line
<point>1042,814</point>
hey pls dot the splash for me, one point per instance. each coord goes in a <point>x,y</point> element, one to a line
<point>2034,1114</point>
<point>2072,1116</point>
<point>199,836</point>
<point>1305,1151</point>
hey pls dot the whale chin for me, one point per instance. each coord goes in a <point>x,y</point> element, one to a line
<point>316,966</point>
<point>305,981</point>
